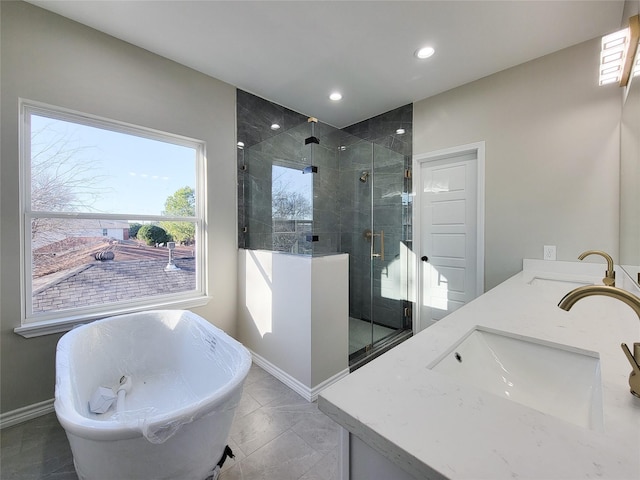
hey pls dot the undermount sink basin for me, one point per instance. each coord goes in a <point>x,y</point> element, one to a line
<point>555,379</point>
<point>564,283</point>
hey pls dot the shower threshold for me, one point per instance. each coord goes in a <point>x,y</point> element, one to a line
<point>366,354</point>
<point>361,333</point>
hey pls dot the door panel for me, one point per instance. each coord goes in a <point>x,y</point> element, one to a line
<point>450,246</point>
<point>448,236</point>
<point>449,212</point>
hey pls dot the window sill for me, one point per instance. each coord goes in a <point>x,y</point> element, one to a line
<point>48,327</point>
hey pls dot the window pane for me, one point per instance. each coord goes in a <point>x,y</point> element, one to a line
<point>78,168</point>
<point>74,265</point>
<point>86,181</point>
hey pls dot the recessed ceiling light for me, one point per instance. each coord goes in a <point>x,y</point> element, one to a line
<point>275,126</point>
<point>400,131</point>
<point>335,96</point>
<point>424,52</point>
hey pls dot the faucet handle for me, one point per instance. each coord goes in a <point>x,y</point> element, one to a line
<point>634,376</point>
<point>632,358</point>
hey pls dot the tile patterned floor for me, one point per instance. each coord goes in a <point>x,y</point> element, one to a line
<point>276,435</point>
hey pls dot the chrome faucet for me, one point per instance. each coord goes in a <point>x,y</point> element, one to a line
<point>610,274</point>
<point>630,299</point>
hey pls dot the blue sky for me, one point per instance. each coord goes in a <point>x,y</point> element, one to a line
<point>132,175</point>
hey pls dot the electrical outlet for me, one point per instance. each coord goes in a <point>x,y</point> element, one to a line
<point>549,252</point>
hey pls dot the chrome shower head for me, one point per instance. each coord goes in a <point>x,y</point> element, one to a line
<point>364,176</point>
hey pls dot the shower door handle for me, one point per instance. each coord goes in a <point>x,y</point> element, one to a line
<point>373,245</point>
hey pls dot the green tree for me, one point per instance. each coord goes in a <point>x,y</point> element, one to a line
<point>181,204</point>
<point>133,230</point>
<point>152,234</point>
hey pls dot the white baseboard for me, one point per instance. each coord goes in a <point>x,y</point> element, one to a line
<point>309,394</point>
<point>23,414</point>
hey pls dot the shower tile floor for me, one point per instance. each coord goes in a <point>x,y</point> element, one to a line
<point>360,333</point>
<point>276,434</point>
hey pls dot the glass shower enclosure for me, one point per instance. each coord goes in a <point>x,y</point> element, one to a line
<point>317,190</point>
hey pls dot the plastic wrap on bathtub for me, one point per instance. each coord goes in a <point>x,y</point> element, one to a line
<point>181,368</point>
<point>160,432</point>
<point>157,429</point>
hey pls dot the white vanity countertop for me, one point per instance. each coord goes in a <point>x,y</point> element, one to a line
<point>433,427</point>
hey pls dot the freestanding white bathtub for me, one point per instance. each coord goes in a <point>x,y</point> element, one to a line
<point>186,381</point>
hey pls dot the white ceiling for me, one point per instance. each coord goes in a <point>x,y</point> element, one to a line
<point>295,53</point>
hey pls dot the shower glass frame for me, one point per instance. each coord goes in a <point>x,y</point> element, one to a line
<point>343,208</point>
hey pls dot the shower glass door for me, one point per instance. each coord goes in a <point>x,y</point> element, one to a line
<point>378,250</point>
<point>389,257</point>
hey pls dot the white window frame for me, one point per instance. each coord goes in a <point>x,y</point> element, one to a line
<point>44,323</point>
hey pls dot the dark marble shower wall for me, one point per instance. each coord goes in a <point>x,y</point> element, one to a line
<point>381,130</point>
<point>254,117</point>
<point>263,148</point>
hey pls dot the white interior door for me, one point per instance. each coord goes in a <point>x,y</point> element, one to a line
<point>449,256</point>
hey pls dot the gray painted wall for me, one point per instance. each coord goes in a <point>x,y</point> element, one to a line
<point>552,155</point>
<point>50,59</point>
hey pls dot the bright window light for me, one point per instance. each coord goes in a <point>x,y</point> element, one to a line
<point>612,56</point>
<point>102,202</point>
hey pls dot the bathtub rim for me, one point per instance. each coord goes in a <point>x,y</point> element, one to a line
<point>81,426</point>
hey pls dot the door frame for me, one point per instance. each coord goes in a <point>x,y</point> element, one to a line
<point>438,155</point>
